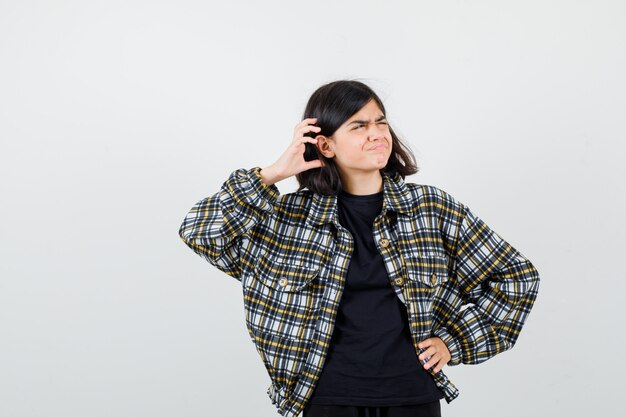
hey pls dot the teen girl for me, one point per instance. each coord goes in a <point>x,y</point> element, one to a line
<point>359,288</point>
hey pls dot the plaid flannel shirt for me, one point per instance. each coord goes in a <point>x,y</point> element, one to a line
<point>458,279</point>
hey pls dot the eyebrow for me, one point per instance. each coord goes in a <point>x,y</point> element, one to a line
<point>378,119</point>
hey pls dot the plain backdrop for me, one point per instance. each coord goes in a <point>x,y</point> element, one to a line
<point>117,116</point>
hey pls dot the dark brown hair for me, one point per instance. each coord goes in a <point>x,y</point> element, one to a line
<point>332,104</point>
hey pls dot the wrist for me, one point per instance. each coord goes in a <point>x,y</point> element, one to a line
<point>269,176</point>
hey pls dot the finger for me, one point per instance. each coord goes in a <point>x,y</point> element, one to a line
<point>425,343</point>
<point>442,362</point>
<point>316,163</point>
<point>439,367</point>
<point>305,139</point>
<point>434,360</point>
<point>304,129</point>
<point>428,352</point>
<point>310,120</point>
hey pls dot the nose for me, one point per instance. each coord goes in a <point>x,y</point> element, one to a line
<point>376,132</point>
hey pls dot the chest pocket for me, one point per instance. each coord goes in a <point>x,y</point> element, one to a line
<point>283,297</point>
<point>427,271</point>
<point>286,277</point>
<point>426,289</point>
<point>430,269</point>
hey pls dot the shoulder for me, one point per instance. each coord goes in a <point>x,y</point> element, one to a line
<point>438,208</point>
<point>295,197</point>
<point>434,198</point>
<point>294,206</point>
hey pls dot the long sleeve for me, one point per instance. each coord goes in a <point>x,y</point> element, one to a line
<point>500,285</point>
<point>214,226</point>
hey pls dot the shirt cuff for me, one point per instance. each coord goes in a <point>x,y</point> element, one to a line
<point>269,191</point>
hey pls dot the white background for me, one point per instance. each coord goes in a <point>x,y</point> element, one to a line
<point>117,116</point>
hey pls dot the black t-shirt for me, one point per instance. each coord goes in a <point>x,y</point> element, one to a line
<point>371,359</point>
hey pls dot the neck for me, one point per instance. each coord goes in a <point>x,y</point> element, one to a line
<point>362,183</point>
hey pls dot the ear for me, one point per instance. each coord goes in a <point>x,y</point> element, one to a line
<point>324,145</point>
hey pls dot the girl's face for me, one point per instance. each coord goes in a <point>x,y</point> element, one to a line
<point>361,144</point>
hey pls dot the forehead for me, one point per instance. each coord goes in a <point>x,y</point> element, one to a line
<point>370,110</point>
<point>370,113</point>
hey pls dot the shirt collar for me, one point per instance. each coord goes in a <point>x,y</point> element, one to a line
<point>396,197</point>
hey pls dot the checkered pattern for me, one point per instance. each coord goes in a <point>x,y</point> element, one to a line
<point>458,279</point>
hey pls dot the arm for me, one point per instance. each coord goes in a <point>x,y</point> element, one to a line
<point>214,226</point>
<point>501,285</point>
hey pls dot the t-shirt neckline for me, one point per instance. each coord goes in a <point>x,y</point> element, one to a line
<point>364,197</point>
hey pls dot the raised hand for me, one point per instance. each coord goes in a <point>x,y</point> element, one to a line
<point>292,162</point>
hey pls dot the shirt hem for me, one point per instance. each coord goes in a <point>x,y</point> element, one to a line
<point>372,402</point>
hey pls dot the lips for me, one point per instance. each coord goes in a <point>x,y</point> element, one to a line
<point>379,146</point>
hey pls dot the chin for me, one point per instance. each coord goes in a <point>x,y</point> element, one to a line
<point>383,164</point>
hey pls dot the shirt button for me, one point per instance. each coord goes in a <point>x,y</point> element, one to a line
<point>383,242</point>
<point>398,281</point>
<point>283,282</point>
<point>433,278</point>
